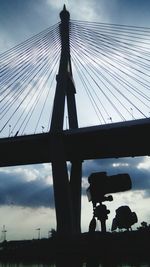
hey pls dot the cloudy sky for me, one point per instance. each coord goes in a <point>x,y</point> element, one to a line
<point>26,192</point>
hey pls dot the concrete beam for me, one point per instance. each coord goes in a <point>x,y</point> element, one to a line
<point>115,140</point>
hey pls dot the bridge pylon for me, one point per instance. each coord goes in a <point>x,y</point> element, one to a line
<point>67,190</point>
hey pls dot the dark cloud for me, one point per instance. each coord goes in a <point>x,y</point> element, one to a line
<point>124,12</point>
<point>107,165</point>
<point>16,190</point>
<point>140,176</point>
<point>129,12</point>
<point>22,19</point>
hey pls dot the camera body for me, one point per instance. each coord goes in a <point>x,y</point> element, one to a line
<point>101,184</point>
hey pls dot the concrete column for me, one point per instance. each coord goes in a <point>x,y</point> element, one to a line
<point>62,196</point>
<point>75,189</point>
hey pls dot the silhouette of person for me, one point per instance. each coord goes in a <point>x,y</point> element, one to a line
<point>92,225</point>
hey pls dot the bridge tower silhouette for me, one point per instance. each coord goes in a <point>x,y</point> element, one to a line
<point>67,192</point>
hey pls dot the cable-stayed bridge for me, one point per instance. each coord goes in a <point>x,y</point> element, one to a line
<point>108,67</point>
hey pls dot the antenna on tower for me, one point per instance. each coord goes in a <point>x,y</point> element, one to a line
<point>4,231</point>
<point>39,232</point>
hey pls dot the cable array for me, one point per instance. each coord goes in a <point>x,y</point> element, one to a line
<point>110,66</point>
<point>27,83</point>
<point>112,63</point>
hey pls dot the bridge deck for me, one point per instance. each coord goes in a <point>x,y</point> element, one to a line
<point>125,139</point>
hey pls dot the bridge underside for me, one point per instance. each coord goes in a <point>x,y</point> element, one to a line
<point>127,139</point>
